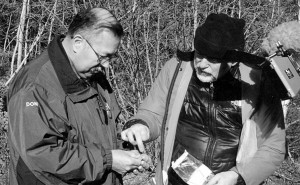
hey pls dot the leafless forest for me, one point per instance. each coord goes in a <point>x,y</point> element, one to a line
<point>154,29</point>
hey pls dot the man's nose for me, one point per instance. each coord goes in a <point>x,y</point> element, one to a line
<point>202,62</point>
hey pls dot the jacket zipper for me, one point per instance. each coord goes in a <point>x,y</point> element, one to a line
<point>211,123</point>
<point>164,129</point>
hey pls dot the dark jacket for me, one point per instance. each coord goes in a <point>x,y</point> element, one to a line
<point>210,122</point>
<point>59,130</point>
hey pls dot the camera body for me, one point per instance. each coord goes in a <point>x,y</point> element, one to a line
<point>286,64</point>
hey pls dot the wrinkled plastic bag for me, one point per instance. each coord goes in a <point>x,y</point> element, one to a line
<point>191,170</point>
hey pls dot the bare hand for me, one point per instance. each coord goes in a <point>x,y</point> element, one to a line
<point>124,161</point>
<point>224,178</point>
<point>136,134</point>
<point>145,164</point>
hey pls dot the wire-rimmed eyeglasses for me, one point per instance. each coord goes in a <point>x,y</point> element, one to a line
<point>102,59</point>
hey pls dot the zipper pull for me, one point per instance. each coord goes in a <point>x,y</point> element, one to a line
<point>108,111</point>
<point>211,90</point>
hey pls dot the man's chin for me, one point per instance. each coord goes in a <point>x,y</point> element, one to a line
<point>205,78</point>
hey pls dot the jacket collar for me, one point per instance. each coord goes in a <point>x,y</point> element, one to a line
<point>77,89</point>
<point>59,59</point>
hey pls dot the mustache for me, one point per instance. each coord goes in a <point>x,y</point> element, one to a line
<point>201,72</point>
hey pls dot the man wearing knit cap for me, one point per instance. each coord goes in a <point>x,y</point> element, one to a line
<point>208,103</point>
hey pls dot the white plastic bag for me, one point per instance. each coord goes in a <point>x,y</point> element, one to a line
<point>191,170</point>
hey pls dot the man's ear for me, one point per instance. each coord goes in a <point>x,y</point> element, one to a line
<point>78,43</point>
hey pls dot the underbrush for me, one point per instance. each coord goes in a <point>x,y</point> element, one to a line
<point>4,150</point>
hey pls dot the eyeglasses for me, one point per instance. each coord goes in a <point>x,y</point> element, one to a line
<point>212,60</point>
<point>102,59</point>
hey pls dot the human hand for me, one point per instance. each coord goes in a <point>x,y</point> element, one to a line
<point>136,134</point>
<point>124,161</point>
<point>224,178</point>
<point>146,164</point>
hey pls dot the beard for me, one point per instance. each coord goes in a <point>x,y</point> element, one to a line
<point>204,76</point>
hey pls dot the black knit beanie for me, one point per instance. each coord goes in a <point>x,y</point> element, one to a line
<point>219,34</point>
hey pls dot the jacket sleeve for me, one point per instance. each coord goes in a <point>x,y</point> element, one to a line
<point>40,133</point>
<point>271,145</point>
<point>153,107</point>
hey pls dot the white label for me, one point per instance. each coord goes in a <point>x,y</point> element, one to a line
<point>31,104</point>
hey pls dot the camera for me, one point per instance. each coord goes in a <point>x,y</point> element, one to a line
<point>286,64</point>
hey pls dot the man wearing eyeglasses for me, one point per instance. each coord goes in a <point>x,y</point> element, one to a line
<point>62,110</point>
<point>209,104</point>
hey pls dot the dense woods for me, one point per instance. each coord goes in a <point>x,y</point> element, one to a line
<point>154,30</point>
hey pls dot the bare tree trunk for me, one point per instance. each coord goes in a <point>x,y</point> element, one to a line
<point>158,40</point>
<point>13,59</point>
<point>26,31</point>
<point>241,8</point>
<point>63,11</point>
<point>146,37</point>
<point>195,17</point>
<point>52,20</point>
<point>299,11</point>
<point>6,35</point>
<point>21,29</point>
<point>38,45</point>
<point>74,7</point>
<point>26,38</point>
<point>273,10</point>
<point>232,10</point>
<point>84,4</point>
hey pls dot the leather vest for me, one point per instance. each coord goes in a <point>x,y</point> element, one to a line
<point>210,122</point>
